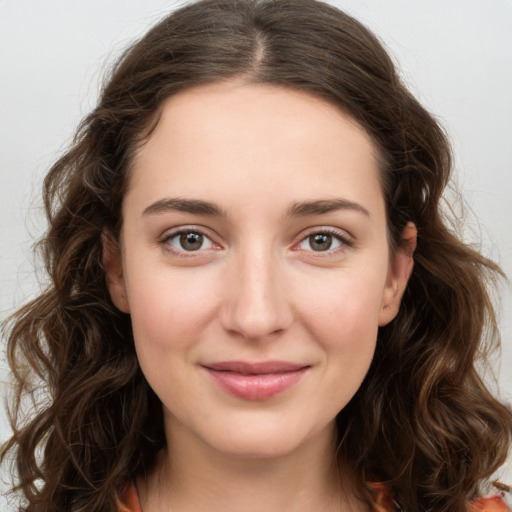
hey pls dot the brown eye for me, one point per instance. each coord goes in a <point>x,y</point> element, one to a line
<point>320,242</point>
<point>323,241</point>
<point>188,241</point>
<point>191,241</point>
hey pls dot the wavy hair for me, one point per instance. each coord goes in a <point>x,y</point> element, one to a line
<point>422,422</point>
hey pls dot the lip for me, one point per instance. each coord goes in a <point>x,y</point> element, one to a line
<point>255,380</point>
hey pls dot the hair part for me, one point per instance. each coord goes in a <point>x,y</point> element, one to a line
<point>423,422</point>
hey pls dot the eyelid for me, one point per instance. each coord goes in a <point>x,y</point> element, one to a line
<point>173,232</point>
<point>346,240</point>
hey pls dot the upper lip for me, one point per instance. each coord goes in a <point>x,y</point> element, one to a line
<point>255,368</point>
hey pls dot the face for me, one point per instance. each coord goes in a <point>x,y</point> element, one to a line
<point>255,266</point>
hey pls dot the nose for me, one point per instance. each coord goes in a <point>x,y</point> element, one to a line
<point>256,306</point>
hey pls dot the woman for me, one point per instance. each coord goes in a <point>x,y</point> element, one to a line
<point>256,303</point>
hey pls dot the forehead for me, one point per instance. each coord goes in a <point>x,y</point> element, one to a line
<point>239,139</point>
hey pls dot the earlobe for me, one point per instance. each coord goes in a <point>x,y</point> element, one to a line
<point>111,258</point>
<point>400,270</point>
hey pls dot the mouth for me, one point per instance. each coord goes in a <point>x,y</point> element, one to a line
<point>255,381</point>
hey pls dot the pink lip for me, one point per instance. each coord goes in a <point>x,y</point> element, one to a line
<point>255,381</point>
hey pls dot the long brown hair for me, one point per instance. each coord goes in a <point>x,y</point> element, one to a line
<point>423,422</point>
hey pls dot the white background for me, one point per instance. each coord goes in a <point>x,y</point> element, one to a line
<point>456,57</point>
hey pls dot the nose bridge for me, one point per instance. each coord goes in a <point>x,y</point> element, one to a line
<point>257,306</point>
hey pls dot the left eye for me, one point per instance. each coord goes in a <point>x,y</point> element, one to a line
<point>321,242</point>
<point>189,241</point>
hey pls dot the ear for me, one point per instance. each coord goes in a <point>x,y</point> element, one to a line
<point>112,263</point>
<point>400,269</point>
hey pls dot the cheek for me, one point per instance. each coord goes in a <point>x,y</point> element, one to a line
<point>347,327</point>
<point>343,319</point>
<point>346,309</point>
<point>169,310</point>
<point>170,315</point>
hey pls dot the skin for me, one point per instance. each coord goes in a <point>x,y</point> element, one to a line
<point>259,288</point>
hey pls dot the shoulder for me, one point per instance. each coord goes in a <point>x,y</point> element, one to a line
<point>490,504</point>
<point>497,503</point>
<point>384,500</point>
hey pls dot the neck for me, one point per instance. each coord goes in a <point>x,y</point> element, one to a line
<point>191,476</point>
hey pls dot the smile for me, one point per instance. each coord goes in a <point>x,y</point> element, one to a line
<point>255,381</point>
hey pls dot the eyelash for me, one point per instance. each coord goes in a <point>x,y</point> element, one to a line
<point>344,241</point>
<point>166,240</point>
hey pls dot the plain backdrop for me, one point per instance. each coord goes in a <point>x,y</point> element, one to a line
<point>455,56</point>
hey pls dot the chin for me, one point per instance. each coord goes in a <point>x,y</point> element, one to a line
<point>258,449</point>
<point>270,441</point>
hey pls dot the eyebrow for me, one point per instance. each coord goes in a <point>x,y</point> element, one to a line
<point>319,207</point>
<point>297,209</point>
<point>195,206</point>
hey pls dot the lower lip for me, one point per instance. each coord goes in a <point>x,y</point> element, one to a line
<point>256,387</point>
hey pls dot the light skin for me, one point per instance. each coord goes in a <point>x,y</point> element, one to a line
<point>254,230</point>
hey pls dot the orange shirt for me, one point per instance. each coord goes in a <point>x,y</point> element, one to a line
<point>384,502</point>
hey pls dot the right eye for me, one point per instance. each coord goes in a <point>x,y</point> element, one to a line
<point>187,240</point>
